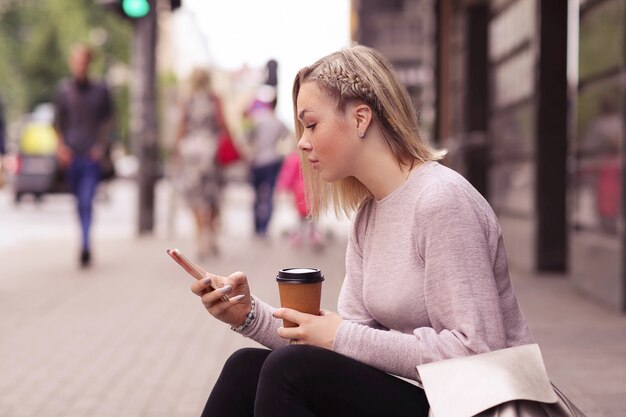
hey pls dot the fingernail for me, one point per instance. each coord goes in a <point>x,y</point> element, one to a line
<point>207,281</point>
<point>237,298</point>
<point>226,289</point>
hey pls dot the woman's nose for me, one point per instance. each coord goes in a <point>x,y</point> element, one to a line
<point>304,144</point>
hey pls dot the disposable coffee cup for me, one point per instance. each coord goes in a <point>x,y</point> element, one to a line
<point>301,290</point>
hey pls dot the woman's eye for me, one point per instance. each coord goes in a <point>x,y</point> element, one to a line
<point>311,126</point>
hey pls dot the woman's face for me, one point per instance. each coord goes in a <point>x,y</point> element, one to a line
<point>328,136</point>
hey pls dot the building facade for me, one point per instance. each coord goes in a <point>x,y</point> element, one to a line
<point>405,32</point>
<point>597,236</point>
<point>529,100</point>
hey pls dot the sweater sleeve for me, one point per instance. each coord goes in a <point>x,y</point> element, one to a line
<point>264,328</point>
<point>457,239</point>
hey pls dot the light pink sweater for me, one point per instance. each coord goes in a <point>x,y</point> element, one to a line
<point>426,279</point>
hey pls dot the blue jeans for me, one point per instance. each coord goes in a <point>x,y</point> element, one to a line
<point>83,175</point>
<point>263,181</point>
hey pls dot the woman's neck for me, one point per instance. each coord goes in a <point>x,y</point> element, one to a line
<point>383,174</point>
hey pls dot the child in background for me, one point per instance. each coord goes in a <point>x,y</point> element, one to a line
<point>290,180</point>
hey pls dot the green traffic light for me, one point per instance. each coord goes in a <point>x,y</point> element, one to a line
<point>136,8</point>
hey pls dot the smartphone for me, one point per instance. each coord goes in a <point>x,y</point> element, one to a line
<point>191,268</point>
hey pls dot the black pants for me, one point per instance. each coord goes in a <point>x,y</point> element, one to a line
<point>307,381</point>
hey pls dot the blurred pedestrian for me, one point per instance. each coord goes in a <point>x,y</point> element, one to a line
<point>201,123</point>
<point>2,130</point>
<point>290,180</point>
<point>426,270</point>
<point>2,142</point>
<point>264,136</point>
<point>83,121</point>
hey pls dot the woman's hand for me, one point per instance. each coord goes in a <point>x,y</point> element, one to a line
<point>312,330</point>
<point>64,155</point>
<point>231,309</point>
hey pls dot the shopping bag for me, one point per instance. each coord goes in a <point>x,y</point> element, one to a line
<point>227,152</point>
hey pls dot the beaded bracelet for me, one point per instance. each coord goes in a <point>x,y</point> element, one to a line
<point>249,318</point>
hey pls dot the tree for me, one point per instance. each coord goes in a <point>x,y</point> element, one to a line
<point>35,38</point>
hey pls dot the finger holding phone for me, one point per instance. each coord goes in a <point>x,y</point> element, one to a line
<point>231,309</point>
<point>227,299</point>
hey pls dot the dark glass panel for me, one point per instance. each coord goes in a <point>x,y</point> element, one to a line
<point>513,131</point>
<point>597,187</point>
<point>598,116</point>
<point>512,187</point>
<point>514,79</point>
<point>597,193</point>
<point>512,27</point>
<point>601,38</point>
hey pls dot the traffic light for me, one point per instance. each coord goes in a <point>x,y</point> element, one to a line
<point>131,10</point>
<point>135,9</point>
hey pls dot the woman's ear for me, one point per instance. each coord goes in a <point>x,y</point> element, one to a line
<point>363,117</point>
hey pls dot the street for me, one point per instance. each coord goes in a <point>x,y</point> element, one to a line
<point>128,338</point>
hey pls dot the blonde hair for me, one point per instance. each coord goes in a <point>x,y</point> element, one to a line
<point>361,74</point>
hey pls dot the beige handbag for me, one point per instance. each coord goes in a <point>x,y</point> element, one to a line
<point>510,382</point>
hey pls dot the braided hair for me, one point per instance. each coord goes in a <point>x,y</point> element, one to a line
<point>362,75</point>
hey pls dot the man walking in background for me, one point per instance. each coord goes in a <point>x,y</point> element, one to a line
<point>83,119</point>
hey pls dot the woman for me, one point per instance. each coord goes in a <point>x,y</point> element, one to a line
<point>265,133</point>
<point>426,271</point>
<point>200,125</point>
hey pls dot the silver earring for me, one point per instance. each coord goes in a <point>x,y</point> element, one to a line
<point>361,134</point>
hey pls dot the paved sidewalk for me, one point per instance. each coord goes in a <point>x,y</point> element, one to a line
<point>127,338</point>
<point>583,344</point>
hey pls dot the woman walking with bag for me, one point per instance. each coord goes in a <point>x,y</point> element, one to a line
<point>198,173</point>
